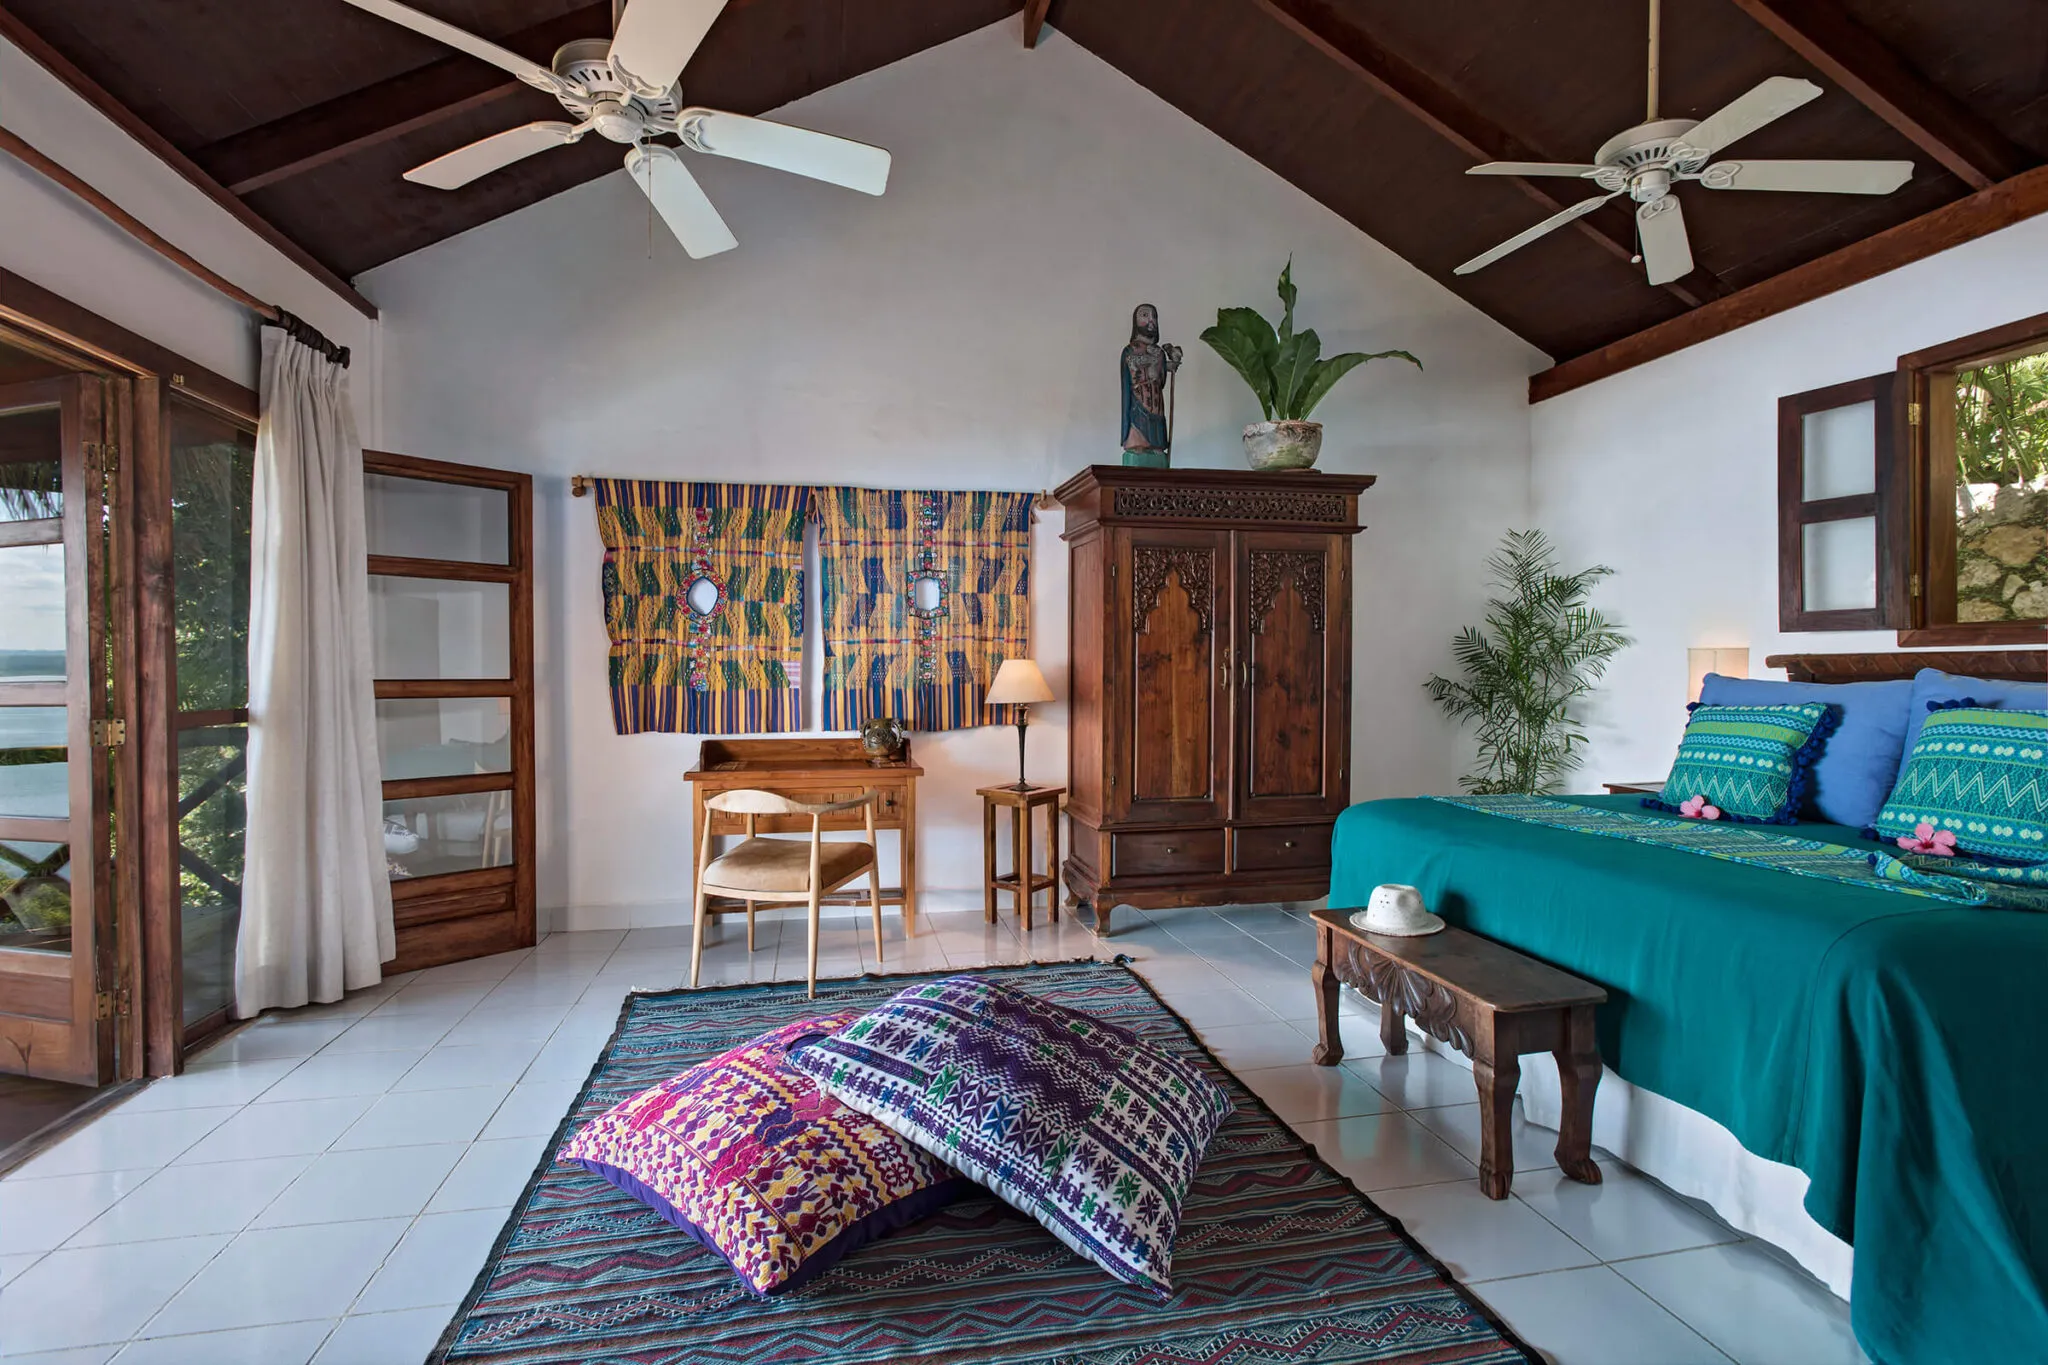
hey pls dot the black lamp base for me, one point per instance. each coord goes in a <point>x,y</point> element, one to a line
<point>1023,719</point>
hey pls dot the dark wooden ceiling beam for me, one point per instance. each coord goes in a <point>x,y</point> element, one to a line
<point>326,132</point>
<point>1848,54</point>
<point>1397,79</point>
<point>126,119</point>
<point>2008,202</point>
<point>1034,20</point>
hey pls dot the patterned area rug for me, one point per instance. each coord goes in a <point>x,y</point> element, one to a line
<point>1279,1259</point>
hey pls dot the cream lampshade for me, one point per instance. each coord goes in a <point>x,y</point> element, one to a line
<point>1729,663</point>
<point>1018,683</point>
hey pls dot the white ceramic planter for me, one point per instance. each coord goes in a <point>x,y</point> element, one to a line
<point>1283,445</point>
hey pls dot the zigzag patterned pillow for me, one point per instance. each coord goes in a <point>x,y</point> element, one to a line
<point>1076,1122</point>
<point>1749,761</point>
<point>1983,776</point>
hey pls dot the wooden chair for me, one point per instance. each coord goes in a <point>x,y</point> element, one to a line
<point>783,870</point>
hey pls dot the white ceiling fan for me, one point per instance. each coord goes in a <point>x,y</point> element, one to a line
<point>1647,161</point>
<point>624,89</point>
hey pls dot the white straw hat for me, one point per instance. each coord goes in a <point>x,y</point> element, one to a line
<point>1397,910</point>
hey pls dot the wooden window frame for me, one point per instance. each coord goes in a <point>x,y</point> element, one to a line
<point>449,916</point>
<point>1930,453</point>
<point>1886,503</point>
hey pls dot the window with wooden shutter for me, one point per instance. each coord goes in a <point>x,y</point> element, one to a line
<point>1842,504</point>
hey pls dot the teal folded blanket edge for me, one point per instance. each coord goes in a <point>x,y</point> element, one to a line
<point>1884,1044</point>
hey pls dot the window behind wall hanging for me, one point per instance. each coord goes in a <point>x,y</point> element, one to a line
<point>704,601</point>
<point>925,594</point>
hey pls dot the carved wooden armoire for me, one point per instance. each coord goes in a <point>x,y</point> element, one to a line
<point>1209,728</point>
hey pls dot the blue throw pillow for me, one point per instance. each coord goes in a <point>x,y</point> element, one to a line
<point>1931,684</point>
<point>1749,762</point>
<point>1856,770</point>
<point>1980,775</point>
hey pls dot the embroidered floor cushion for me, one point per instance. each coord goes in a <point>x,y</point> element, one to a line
<point>1076,1122</point>
<point>1750,762</point>
<point>749,1159</point>
<point>1981,775</point>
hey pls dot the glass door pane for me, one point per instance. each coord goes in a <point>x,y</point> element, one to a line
<point>424,519</point>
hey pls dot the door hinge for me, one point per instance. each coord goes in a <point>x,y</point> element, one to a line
<point>110,734</point>
<point>1916,585</point>
<point>1912,414</point>
<point>108,1004</point>
<point>1112,781</point>
<point>1112,571</point>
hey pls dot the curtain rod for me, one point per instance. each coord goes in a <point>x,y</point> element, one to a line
<point>579,486</point>
<point>29,156</point>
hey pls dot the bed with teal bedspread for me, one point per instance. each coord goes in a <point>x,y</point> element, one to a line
<point>1889,1045</point>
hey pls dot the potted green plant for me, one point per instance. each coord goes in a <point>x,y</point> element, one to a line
<point>1288,375</point>
<point>1542,649</point>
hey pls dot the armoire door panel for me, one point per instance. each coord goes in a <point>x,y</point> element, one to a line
<point>1176,623</point>
<point>1290,706</point>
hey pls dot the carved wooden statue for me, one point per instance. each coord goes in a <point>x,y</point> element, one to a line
<point>1147,373</point>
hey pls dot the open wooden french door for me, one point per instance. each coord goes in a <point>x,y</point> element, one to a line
<point>64,972</point>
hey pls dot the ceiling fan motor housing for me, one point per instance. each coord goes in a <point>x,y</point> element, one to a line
<point>1645,159</point>
<point>602,97</point>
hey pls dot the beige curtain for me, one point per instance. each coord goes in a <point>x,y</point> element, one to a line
<point>316,901</point>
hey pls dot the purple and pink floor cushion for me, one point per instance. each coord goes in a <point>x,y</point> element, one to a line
<point>748,1158</point>
<point>1076,1122</point>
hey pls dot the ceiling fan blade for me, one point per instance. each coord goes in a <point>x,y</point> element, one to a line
<point>799,151</point>
<point>655,41</point>
<point>1822,177</point>
<point>1667,254</point>
<point>533,73</point>
<point>661,175</point>
<point>494,153</point>
<point>1770,100</point>
<point>1528,235</point>
<point>1531,168</point>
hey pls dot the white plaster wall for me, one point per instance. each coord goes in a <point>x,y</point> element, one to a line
<point>961,332</point>
<point>54,239</point>
<point>1669,474</point>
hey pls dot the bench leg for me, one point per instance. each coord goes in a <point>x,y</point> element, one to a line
<point>1498,1079</point>
<point>1393,1027</point>
<point>1578,1071</point>
<point>1329,1039</point>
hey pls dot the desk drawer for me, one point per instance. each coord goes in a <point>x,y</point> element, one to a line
<point>1167,852</point>
<point>1279,848</point>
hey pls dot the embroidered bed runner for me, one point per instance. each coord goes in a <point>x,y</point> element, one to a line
<point>925,594</point>
<point>1957,883</point>
<point>704,601</point>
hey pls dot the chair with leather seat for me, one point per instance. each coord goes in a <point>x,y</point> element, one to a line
<point>784,870</point>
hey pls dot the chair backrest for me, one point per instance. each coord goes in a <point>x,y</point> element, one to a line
<point>748,801</point>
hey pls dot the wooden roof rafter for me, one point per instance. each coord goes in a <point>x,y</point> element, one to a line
<point>1455,120</point>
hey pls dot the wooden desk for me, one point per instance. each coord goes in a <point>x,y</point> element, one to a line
<point>811,770</point>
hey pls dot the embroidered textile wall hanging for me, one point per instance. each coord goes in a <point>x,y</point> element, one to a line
<point>925,594</point>
<point>704,600</point>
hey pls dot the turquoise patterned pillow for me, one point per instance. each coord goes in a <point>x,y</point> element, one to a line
<point>1750,762</point>
<point>1980,774</point>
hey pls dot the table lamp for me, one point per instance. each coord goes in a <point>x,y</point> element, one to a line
<point>1019,683</point>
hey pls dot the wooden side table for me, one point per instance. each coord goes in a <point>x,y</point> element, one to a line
<point>1484,999</point>
<point>1023,883</point>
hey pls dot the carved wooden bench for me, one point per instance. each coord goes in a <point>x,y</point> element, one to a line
<point>1484,999</point>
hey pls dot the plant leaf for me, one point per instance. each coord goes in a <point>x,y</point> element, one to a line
<point>1335,368</point>
<point>1293,368</point>
<point>1288,293</point>
<point>1248,348</point>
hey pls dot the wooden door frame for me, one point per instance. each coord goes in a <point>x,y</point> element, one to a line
<point>450,916</point>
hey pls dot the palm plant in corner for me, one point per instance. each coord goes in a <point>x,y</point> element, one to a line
<point>1541,650</point>
<point>1288,375</point>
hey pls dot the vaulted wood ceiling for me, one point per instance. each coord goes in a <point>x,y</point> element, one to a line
<point>308,112</point>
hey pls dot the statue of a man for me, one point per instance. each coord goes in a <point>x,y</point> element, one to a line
<point>1147,369</point>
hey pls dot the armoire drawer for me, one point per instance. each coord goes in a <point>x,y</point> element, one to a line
<point>1165,852</point>
<point>1275,848</point>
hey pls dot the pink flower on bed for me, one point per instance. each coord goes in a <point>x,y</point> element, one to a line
<point>1696,808</point>
<point>1925,838</point>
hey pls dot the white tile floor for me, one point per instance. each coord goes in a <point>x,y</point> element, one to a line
<point>324,1185</point>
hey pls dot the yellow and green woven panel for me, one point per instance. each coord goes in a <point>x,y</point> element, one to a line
<point>926,662</point>
<point>704,602</point>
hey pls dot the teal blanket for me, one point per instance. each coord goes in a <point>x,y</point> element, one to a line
<point>1888,1045</point>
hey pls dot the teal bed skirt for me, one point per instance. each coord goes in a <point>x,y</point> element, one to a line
<point>1890,1046</point>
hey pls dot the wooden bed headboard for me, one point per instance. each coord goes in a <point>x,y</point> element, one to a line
<point>2005,665</point>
